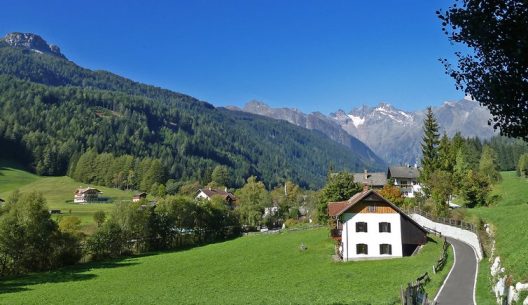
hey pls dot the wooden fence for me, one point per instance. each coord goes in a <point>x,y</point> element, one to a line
<point>444,220</point>
<point>443,258</point>
<point>414,293</point>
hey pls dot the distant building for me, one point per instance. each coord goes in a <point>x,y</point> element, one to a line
<point>86,195</point>
<point>373,180</point>
<point>208,193</point>
<point>406,178</point>
<point>2,200</point>
<point>368,226</point>
<point>139,197</point>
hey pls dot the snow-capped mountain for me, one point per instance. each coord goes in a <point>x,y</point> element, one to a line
<point>314,121</point>
<point>392,133</point>
<point>395,135</point>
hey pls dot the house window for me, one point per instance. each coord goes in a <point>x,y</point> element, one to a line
<point>385,227</point>
<point>371,209</point>
<point>361,249</point>
<point>361,227</point>
<point>385,249</point>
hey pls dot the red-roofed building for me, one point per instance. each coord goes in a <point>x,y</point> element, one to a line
<point>368,226</point>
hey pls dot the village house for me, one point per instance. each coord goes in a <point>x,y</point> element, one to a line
<point>86,195</point>
<point>139,197</point>
<point>373,180</point>
<point>208,193</point>
<point>406,178</point>
<point>368,226</point>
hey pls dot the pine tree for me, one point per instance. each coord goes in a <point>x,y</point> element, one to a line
<point>430,143</point>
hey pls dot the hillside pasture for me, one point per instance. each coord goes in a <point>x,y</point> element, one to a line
<point>256,269</point>
<point>59,192</point>
<point>508,219</point>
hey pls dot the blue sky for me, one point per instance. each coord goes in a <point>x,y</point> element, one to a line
<point>311,55</point>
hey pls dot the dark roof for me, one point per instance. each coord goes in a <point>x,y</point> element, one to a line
<point>338,208</point>
<point>139,195</point>
<point>2,200</point>
<point>215,192</point>
<point>88,189</point>
<point>376,179</point>
<point>403,172</point>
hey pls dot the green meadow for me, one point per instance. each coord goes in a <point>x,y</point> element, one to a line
<point>58,192</point>
<point>255,269</point>
<point>508,219</point>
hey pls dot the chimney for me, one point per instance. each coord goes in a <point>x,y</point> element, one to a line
<point>365,174</point>
<point>365,187</point>
<point>225,189</point>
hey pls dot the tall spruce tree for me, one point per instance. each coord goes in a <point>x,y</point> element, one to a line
<point>430,143</point>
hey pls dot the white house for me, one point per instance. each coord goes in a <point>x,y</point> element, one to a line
<point>368,226</point>
<point>85,195</point>
<point>208,193</point>
<point>406,178</point>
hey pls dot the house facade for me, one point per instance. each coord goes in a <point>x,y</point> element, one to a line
<point>368,226</point>
<point>86,195</point>
<point>406,178</point>
<point>139,197</point>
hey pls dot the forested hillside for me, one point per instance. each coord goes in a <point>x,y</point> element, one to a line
<point>53,111</point>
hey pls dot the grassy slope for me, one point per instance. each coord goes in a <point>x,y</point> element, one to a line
<point>58,192</point>
<point>258,269</point>
<point>511,232</point>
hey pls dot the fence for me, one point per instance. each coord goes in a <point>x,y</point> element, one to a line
<point>443,258</point>
<point>444,220</point>
<point>414,293</point>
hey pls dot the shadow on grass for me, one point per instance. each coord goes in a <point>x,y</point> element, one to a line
<point>67,274</point>
<point>431,240</point>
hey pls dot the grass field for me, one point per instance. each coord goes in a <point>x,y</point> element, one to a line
<point>58,192</point>
<point>509,219</point>
<point>257,269</point>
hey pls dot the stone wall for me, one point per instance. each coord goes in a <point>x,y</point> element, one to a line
<point>466,236</point>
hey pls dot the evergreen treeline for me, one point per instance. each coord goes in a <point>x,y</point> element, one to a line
<point>123,172</point>
<point>463,169</point>
<point>53,111</point>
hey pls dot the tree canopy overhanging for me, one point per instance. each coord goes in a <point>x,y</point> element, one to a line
<point>495,69</point>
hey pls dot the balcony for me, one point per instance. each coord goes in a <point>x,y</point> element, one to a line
<point>336,233</point>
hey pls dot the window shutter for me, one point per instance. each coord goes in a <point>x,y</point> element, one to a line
<point>381,226</point>
<point>388,227</point>
<point>390,246</point>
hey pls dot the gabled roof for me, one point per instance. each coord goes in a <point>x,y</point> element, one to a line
<point>335,209</point>
<point>138,195</point>
<point>377,179</point>
<point>88,189</point>
<point>403,172</point>
<point>215,192</point>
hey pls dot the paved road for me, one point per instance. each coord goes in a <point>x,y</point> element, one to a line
<point>459,286</point>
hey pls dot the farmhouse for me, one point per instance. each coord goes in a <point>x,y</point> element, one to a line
<point>208,193</point>
<point>85,195</point>
<point>406,178</point>
<point>368,226</point>
<point>373,180</point>
<point>139,197</point>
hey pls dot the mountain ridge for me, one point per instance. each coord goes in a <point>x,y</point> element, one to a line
<point>392,133</point>
<point>55,109</point>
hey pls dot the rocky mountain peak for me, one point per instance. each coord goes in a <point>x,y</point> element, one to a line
<point>31,42</point>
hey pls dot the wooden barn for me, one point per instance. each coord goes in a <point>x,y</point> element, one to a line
<point>368,226</point>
